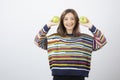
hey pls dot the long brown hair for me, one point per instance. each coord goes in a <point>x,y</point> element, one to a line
<point>61,29</point>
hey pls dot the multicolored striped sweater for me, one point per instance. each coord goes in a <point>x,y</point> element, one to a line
<point>70,55</point>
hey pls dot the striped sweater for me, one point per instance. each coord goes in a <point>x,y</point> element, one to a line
<point>70,55</point>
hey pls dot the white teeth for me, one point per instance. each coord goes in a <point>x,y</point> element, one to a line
<point>69,25</point>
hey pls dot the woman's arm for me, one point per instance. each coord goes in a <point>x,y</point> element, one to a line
<point>41,39</point>
<point>99,39</point>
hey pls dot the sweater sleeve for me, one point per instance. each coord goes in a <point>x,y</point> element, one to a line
<point>99,39</point>
<point>41,39</point>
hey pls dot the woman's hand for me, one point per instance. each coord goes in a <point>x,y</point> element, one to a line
<point>50,24</point>
<point>88,24</point>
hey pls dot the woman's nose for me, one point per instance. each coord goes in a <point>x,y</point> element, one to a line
<point>69,21</point>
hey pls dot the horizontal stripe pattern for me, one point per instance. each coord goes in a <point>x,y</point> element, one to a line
<point>73,53</point>
<point>70,55</point>
<point>68,68</point>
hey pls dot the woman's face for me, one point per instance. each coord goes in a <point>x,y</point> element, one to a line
<point>69,21</point>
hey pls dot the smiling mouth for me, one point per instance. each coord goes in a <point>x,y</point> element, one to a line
<point>70,25</point>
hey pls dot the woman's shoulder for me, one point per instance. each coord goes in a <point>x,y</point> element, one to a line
<point>54,34</point>
<point>85,35</point>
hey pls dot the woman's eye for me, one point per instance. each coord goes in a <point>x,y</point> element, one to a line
<point>68,19</point>
<point>65,19</point>
<point>72,19</point>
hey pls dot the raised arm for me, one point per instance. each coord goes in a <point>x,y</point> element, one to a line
<point>99,39</point>
<point>41,38</point>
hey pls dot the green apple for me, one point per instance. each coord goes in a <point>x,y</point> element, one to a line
<point>83,20</point>
<point>55,19</point>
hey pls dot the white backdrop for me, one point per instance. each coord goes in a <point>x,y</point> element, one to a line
<point>20,20</point>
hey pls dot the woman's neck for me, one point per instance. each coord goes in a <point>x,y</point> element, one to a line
<point>69,32</point>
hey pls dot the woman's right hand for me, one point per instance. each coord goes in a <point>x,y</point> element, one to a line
<point>50,24</point>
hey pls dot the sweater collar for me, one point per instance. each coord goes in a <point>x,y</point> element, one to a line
<point>69,34</point>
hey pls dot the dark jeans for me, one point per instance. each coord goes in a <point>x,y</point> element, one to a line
<point>68,78</point>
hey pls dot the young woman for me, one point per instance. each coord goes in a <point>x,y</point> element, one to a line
<point>70,51</point>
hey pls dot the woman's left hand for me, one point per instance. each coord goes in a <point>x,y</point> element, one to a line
<point>88,24</point>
